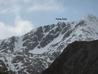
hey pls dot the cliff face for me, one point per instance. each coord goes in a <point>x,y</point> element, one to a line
<point>36,50</point>
<point>78,58</point>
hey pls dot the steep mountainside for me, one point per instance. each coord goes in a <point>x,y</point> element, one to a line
<point>77,58</point>
<point>36,50</point>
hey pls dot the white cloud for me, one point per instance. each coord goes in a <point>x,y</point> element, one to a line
<point>22,8</point>
<point>21,27</point>
<point>9,6</point>
<point>44,7</point>
<point>4,31</point>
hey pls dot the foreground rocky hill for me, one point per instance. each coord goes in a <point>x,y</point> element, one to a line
<point>36,50</point>
<point>77,58</point>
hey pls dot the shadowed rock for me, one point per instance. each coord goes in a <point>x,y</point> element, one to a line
<point>78,58</point>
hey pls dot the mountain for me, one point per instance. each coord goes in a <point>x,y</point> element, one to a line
<point>80,57</point>
<point>36,50</point>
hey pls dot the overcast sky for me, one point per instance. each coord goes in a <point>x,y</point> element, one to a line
<point>20,16</point>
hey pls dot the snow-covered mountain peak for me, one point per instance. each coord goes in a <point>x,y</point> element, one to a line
<point>36,50</point>
<point>87,25</point>
<point>90,19</point>
<point>92,22</point>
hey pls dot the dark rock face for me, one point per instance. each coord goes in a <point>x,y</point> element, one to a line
<point>8,45</point>
<point>2,66</point>
<point>78,58</point>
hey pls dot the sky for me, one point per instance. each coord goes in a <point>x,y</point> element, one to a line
<point>18,17</point>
